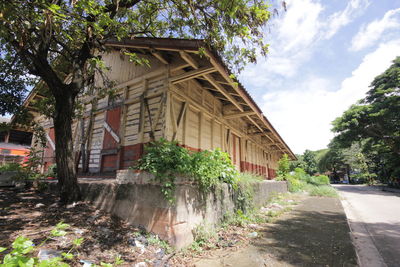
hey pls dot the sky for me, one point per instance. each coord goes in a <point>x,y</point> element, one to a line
<point>323,56</point>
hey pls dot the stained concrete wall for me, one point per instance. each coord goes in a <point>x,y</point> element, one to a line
<point>141,203</point>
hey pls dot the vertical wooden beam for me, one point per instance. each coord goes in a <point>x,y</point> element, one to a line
<point>173,117</point>
<point>212,133</point>
<point>142,111</point>
<point>167,123</point>
<point>122,127</point>
<point>200,128</point>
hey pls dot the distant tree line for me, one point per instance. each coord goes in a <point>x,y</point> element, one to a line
<point>367,142</point>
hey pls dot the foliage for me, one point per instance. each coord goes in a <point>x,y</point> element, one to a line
<point>323,191</point>
<point>212,167</point>
<point>300,181</point>
<point>155,240</point>
<point>307,161</point>
<point>374,123</point>
<point>52,171</point>
<point>245,191</point>
<point>283,167</point>
<point>10,167</point>
<point>204,236</point>
<point>23,250</point>
<point>310,162</point>
<point>13,83</point>
<point>319,180</point>
<point>166,159</point>
<point>295,185</point>
<point>55,39</point>
<point>22,253</point>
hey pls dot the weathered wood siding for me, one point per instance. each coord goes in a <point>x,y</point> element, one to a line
<point>202,127</point>
<point>145,106</point>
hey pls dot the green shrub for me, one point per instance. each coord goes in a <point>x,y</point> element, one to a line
<point>283,167</point>
<point>52,171</point>
<point>166,159</point>
<point>295,185</point>
<point>8,167</point>
<point>301,174</point>
<point>23,251</point>
<point>248,178</point>
<point>299,181</point>
<point>323,191</point>
<point>319,180</point>
<point>209,168</point>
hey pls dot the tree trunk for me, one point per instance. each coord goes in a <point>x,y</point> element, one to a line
<point>67,180</point>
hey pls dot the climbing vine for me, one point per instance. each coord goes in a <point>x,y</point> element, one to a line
<point>165,160</point>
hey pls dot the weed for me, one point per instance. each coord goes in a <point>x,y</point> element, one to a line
<point>156,241</point>
<point>323,191</point>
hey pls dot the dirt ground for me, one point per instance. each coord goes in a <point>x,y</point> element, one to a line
<point>315,233</point>
<point>34,215</point>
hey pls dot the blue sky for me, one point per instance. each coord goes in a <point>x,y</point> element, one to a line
<point>323,56</point>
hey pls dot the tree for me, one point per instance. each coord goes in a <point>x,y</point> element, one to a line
<point>310,162</point>
<point>283,166</point>
<point>59,41</point>
<point>374,122</point>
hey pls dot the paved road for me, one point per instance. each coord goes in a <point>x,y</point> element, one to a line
<point>374,218</point>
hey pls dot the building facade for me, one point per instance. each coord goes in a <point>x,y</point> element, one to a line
<point>182,94</point>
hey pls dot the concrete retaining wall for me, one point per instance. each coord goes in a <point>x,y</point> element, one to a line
<point>142,203</point>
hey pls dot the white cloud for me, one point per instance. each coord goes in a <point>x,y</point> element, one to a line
<point>341,18</point>
<point>300,25</point>
<point>299,31</point>
<point>303,116</point>
<point>371,33</point>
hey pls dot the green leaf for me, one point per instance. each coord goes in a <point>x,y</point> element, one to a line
<point>62,226</point>
<point>68,256</point>
<point>56,232</point>
<point>22,245</point>
<point>78,241</point>
<point>2,249</point>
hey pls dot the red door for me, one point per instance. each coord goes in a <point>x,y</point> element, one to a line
<point>109,153</point>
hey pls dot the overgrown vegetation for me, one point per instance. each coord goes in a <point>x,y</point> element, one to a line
<point>165,160</point>
<point>28,171</point>
<point>283,166</point>
<point>22,252</point>
<point>208,237</point>
<point>300,181</point>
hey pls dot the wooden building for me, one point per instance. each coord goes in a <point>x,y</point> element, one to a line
<point>181,95</point>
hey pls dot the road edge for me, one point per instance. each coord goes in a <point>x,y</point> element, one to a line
<point>369,255</point>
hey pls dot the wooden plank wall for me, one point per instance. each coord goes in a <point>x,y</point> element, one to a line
<point>151,108</point>
<point>141,94</point>
<point>204,128</point>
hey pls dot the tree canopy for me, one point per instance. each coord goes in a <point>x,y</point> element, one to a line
<point>55,39</point>
<point>374,123</point>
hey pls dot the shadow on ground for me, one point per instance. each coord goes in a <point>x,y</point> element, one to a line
<point>310,239</point>
<point>365,190</point>
<point>34,214</point>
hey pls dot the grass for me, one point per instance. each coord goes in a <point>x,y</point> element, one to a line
<point>208,237</point>
<point>323,191</point>
<point>247,178</point>
<point>156,241</point>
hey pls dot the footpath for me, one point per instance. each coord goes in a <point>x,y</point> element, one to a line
<point>314,233</point>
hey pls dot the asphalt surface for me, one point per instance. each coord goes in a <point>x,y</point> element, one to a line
<point>374,218</point>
